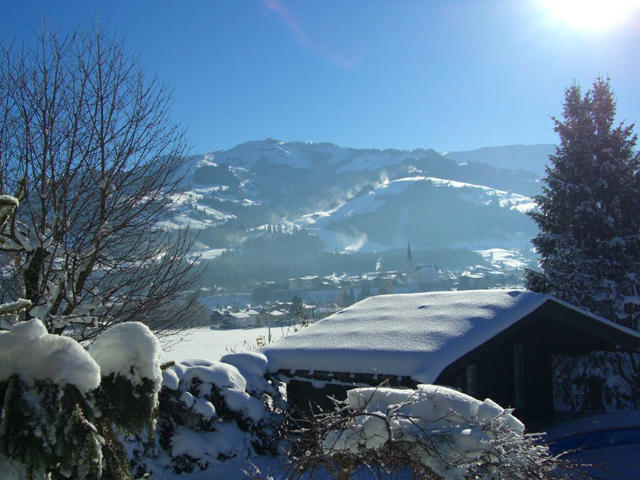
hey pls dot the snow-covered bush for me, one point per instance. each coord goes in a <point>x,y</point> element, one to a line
<point>127,398</point>
<point>46,423</point>
<point>213,411</point>
<point>129,359</point>
<point>436,432</point>
<point>69,413</point>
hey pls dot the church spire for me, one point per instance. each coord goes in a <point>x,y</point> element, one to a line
<point>409,259</point>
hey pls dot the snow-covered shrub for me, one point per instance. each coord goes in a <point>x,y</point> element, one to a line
<point>46,427</point>
<point>127,398</point>
<point>69,413</point>
<point>129,359</point>
<point>437,432</point>
<point>596,381</point>
<point>46,423</point>
<point>253,367</point>
<point>213,411</point>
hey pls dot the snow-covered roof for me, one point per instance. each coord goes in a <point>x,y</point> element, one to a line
<point>416,335</point>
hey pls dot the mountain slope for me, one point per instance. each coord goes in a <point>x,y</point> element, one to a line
<point>430,213</point>
<point>356,199</point>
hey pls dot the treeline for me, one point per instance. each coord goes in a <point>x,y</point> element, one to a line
<point>280,256</point>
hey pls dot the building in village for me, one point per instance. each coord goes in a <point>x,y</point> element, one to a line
<point>276,314</point>
<point>276,317</point>
<point>228,318</point>
<point>507,345</point>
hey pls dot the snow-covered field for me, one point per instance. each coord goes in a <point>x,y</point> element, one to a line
<point>210,344</point>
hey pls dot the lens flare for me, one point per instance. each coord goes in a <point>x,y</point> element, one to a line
<point>591,14</point>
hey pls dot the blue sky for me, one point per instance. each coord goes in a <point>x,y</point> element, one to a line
<point>448,75</point>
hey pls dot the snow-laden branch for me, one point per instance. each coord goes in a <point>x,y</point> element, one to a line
<point>434,431</point>
<point>13,308</point>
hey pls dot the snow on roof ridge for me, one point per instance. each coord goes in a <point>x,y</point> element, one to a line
<point>392,334</point>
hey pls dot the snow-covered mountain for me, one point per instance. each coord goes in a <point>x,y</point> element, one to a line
<point>361,199</point>
<point>428,211</point>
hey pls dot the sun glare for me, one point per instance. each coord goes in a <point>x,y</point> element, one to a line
<point>591,14</point>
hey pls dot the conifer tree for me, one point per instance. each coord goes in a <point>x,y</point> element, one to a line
<point>589,240</point>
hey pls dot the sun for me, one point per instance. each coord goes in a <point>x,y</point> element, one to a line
<point>591,14</point>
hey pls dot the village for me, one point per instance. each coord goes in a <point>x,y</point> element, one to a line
<point>310,298</point>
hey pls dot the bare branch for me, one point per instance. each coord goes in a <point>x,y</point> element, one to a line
<point>371,431</point>
<point>89,135</point>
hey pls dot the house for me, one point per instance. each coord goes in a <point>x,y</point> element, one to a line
<point>426,274</point>
<point>221,318</point>
<point>498,344</point>
<point>246,318</point>
<point>227,318</point>
<point>276,317</point>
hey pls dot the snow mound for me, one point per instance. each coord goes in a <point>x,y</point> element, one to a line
<point>211,378</point>
<point>443,429</point>
<point>29,351</point>
<point>208,416</point>
<point>253,367</point>
<point>170,380</point>
<point>241,401</point>
<point>439,406</point>
<point>226,441</point>
<point>222,375</point>
<point>254,363</point>
<point>131,350</point>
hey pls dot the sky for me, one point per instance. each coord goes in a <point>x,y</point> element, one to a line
<point>449,75</point>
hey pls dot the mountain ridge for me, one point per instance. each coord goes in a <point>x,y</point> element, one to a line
<point>230,195</point>
<point>533,158</point>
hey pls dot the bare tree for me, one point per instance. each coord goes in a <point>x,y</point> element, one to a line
<point>86,140</point>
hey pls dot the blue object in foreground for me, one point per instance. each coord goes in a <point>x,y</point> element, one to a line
<point>611,454</point>
<point>597,439</point>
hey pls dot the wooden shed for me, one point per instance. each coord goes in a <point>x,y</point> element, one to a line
<point>498,344</point>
